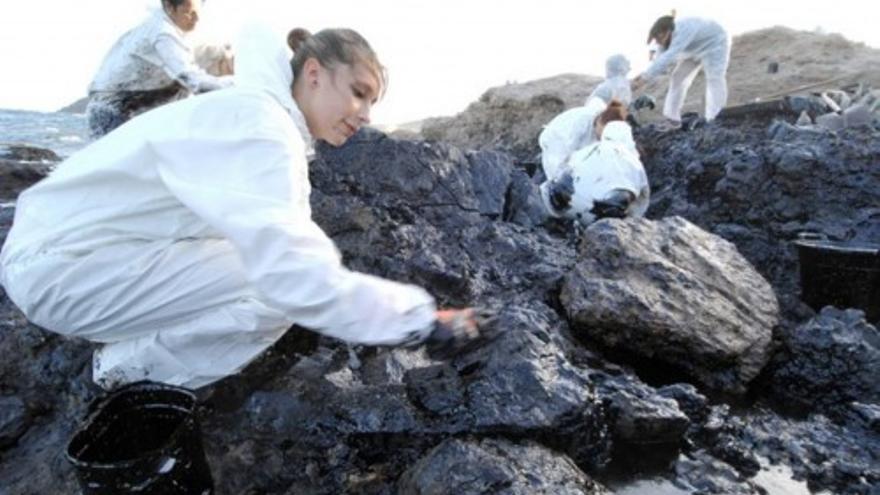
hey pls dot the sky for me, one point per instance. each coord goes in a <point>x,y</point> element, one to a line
<point>441,55</point>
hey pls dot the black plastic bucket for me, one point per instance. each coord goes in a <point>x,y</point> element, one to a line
<point>841,274</point>
<point>142,438</point>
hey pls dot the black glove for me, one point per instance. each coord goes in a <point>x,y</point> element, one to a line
<point>644,101</point>
<point>461,333</point>
<point>561,191</point>
<point>614,205</point>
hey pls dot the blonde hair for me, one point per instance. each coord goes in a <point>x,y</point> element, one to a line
<point>332,47</point>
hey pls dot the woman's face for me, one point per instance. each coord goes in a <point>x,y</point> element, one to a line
<point>340,100</point>
<point>185,16</point>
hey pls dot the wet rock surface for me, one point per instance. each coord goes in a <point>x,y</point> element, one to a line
<point>829,362</point>
<point>493,466</point>
<point>539,409</point>
<point>22,166</point>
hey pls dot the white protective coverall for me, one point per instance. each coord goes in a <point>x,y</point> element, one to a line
<point>696,43</point>
<point>184,242</point>
<point>568,132</point>
<point>150,65</point>
<point>600,168</point>
<point>615,86</point>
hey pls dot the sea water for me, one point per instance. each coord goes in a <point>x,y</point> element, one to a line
<point>63,133</point>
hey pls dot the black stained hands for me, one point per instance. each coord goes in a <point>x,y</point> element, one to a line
<point>459,330</point>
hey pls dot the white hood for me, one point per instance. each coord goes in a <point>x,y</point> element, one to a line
<point>262,62</point>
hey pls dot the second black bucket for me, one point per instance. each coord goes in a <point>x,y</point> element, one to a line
<point>143,438</point>
<point>841,274</point>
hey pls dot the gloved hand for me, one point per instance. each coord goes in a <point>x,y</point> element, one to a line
<point>561,191</point>
<point>644,101</point>
<point>455,331</point>
<point>614,205</point>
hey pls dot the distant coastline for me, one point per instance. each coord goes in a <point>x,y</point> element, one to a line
<point>79,106</point>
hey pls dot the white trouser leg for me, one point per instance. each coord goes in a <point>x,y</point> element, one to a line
<point>215,345</point>
<point>715,67</point>
<point>716,95</point>
<point>681,79</point>
<point>178,312</point>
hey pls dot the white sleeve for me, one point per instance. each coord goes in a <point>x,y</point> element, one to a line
<point>243,190</point>
<point>178,63</point>
<point>681,39</point>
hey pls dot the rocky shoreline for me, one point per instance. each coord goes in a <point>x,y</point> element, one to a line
<point>667,355</point>
<point>672,348</point>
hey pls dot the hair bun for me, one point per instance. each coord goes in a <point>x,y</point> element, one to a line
<point>296,37</point>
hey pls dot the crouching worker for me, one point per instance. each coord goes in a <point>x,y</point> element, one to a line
<point>150,65</point>
<point>183,241</point>
<point>603,179</point>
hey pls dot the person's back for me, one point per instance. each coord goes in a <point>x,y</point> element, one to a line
<point>566,133</point>
<point>42,224</point>
<point>604,178</point>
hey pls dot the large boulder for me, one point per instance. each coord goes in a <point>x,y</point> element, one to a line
<point>670,291</point>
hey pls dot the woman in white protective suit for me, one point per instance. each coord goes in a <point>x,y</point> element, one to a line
<point>692,43</point>
<point>603,179</point>
<point>183,241</point>
<point>150,65</point>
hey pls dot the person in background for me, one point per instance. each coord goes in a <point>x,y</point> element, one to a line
<point>184,243</point>
<point>572,130</point>
<point>148,66</point>
<point>691,43</point>
<point>616,86</point>
<point>603,179</point>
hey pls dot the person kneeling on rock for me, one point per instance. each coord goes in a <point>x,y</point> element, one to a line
<point>603,179</point>
<point>149,66</point>
<point>184,243</point>
<point>568,132</point>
